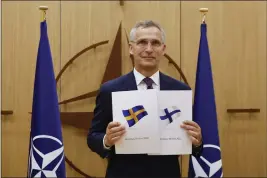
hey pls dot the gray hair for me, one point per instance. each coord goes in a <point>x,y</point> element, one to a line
<point>146,24</point>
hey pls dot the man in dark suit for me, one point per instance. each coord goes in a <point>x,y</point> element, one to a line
<point>147,45</point>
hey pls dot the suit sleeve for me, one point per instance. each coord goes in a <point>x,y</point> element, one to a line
<point>102,117</point>
<point>196,151</point>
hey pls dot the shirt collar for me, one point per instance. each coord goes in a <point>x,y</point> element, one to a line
<point>139,77</point>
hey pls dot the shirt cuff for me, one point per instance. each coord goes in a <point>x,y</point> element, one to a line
<point>105,146</point>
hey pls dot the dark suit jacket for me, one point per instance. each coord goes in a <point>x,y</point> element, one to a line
<point>140,165</point>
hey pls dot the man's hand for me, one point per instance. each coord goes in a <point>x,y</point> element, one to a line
<point>194,131</point>
<point>114,132</point>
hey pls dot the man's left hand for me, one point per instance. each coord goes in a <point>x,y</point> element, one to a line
<point>194,131</point>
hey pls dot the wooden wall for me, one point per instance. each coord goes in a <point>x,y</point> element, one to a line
<point>1,79</point>
<point>237,41</point>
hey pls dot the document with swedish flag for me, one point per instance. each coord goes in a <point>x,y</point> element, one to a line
<point>138,112</point>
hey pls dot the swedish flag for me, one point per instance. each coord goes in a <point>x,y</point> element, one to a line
<point>134,114</point>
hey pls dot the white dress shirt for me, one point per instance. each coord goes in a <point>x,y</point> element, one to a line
<point>141,85</point>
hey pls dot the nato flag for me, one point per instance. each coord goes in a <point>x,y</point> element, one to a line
<point>46,151</point>
<point>209,164</point>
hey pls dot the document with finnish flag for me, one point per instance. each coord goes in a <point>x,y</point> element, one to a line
<point>152,119</point>
<point>174,108</point>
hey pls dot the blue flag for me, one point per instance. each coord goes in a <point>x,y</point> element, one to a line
<point>46,151</point>
<point>204,113</point>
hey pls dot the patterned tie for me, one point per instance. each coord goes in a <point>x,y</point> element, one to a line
<point>148,82</point>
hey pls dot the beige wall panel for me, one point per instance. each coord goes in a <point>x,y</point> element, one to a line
<point>83,24</point>
<point>167,14</point>
<point>20,38</point>
<point>1,80</point>
<point>237,41</point>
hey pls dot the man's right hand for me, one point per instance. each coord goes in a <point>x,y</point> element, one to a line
<point>114,132</point>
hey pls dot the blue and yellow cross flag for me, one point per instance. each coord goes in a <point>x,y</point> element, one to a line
<point>135,114</point>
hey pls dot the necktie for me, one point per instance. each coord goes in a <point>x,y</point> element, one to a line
<point>148,82</point>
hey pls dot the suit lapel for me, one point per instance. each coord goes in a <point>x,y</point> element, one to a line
<point>129,82</point>
<point>164,84</point>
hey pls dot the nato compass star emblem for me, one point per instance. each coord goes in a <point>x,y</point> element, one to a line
<point>45,162</point>
<point>205,167</point>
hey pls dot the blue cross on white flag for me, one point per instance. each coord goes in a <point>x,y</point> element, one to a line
<point>169,114</point>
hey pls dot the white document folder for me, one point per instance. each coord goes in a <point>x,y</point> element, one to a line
<point>152,119</point>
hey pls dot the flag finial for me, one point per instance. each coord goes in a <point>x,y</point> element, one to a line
<point>204,11</point>
<point>43,9</point>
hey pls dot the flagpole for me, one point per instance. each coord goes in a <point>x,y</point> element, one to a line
<point>204,11</point>
<point>43,9</point>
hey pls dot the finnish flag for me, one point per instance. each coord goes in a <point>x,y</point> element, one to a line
<point>169,114</point>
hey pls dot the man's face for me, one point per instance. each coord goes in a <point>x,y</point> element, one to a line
<point>147,48</point>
